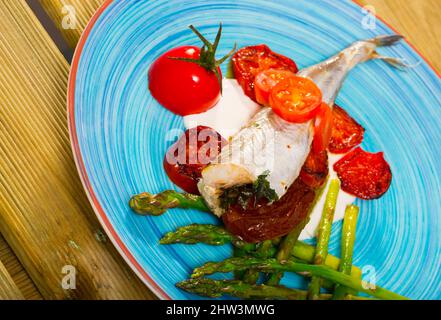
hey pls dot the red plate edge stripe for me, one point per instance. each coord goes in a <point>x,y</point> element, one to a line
<point>80,164</point>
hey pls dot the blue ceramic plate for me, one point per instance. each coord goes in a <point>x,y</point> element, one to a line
<point>119,132</point>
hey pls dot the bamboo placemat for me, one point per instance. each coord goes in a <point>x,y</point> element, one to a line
<point>17,273</point>
<point>45,216</point>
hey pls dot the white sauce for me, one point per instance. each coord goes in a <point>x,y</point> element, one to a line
<point>231,114</point>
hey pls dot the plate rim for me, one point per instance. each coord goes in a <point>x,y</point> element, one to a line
<point>96,206</point>
<point>78,158</point>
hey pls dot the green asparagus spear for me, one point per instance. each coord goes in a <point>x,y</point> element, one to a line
<point>157,204</point>
<point>305,252</point>
<point>251,276</point>
<point>347,247</point>
<point>323,235</point>
<point>264,250</point>
<point>217,288</point>
<point>239,252</point>
<point>288,243</point>
<point>285,249</point>
<point>240,289</point>
<point>272,265</point>
<point>196,233</point>
<point>217,234</point>
<point>205,233</point>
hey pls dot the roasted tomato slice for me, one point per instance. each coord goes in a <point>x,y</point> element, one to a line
<point>315,170</point>
<point>249,61</point>
<point>186,159</point>
<point>346,132</point>
<point>295,99</point>
<point>363,174</point>
<point>322,128</point>
<point>267,222</point>
<point>266,81</point>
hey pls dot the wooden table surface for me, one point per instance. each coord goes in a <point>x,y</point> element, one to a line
<point>46,221</point>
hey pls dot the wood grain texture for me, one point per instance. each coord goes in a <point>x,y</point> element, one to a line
<point>44,214</point>
<point>418,20</point>
<point>58,11</point>
<point>17,272</point>
<point>8,288</point>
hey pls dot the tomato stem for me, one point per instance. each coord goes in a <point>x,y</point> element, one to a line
<point>207,57</point>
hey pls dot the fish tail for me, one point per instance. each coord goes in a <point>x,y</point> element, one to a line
<point>399,63</point>
<point>389,40</point>
<point>386,40</point>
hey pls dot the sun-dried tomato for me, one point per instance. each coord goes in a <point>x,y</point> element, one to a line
<point>363,174</point>
<point>315,170</point>
<point>346,132</point>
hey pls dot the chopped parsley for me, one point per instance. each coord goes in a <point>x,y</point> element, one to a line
<point>243,194</point>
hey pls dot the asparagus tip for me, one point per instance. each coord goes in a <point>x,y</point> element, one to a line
<point>149,204</point>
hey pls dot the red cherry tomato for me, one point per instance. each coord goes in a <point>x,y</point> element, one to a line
<point>363,174</point>
<point>295,99</point>
<point>322,128</point>
<point>186,159</point>
<point>346,132</point>
<point>249,61</point>
<point>266,81</point>
<point>183,87</point>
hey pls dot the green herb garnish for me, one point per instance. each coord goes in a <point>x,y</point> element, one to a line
<point>247,194</point>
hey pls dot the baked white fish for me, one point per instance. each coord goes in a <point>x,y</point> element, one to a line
<point>272,145</point>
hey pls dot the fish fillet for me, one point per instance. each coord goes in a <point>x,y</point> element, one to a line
<point>269,144</point>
